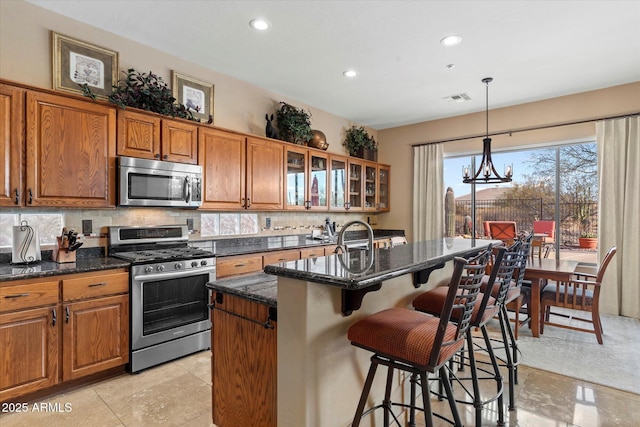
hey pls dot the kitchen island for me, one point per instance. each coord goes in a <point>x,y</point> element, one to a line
<point>319,374</point>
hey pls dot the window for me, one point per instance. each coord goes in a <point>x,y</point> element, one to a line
<point>48,225</point>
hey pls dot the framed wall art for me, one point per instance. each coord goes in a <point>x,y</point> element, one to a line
<point>195,94</point>
<point>76,62</point>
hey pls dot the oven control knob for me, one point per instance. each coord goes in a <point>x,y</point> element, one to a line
<point>160,267</point>
<point>178,266</point>
<point>203,262</point>
<point>194,263</point>
<point>148,269</point>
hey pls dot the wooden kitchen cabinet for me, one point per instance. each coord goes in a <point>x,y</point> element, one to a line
<point>240,172</point>
<point>306,179</point>
<point>11,145</point>
<point>244,367</point>
<point>62,328</point>
<point>149,136</point>
<point>70,152</point>
<point>338,183</point>
<point>376,187</point>
<point>96,323</point>
<point>238,264</point>
<point>276,257</point>
<point>29,314</point>
<point>355,188</point>
<point>314,252</point>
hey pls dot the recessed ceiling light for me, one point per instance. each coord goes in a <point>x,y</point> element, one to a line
<point>451,40</point>
<point>350,73</point>
<point>451,66</point>
<point>259,24</point>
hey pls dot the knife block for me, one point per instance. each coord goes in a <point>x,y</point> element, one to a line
<point>61,252</point>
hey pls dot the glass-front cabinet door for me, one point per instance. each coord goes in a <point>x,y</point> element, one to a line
<point>370,186</point>
<point>338,183</point>
<point>318,177</point>
<point>384,180</point>
<point>296,182</point>
<point>355,185</point>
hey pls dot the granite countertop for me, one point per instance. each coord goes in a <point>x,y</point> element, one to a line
<point>9,272</point>
<point>247,245</point>
<point>260,287</point>
<point>359,269</point>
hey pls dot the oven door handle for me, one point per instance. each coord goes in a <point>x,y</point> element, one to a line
<point>173,274</point>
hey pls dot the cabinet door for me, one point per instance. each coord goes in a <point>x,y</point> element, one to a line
<point>244,376</point>
<point>296,195</point>
<point>265,174</point>
<point>179,142</point>
<point>138,135</point>
<point>355,185</point>
<point>384,185</point>
<point>338,183</point>
<point>11,145</point>
<point>370,186</point>
<point>222,156</point>
<point>95,336</point>
<point>70,157</point>
<point>29,351</point>
<point>318,181</point>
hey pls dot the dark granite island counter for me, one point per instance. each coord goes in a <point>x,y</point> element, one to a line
<point>320,375</point>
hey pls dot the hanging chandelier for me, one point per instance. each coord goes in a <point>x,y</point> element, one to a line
<point>486,173</point>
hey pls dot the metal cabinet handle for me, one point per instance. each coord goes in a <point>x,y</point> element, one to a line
<point>66,318</point>
<point>248,203</point>
<point>157,155</point>
<point>242,202</point>
<point>165,157</point>
<point>93,285</point>
<point>30,196</point>
<point>16,296</point>
<point>17,200</point>
<point>240,265</point>
<point>54,317</point>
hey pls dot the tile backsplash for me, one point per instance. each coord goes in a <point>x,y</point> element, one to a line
<point>206,225</point>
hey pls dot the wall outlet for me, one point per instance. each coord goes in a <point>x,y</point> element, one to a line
<point>268,223</point>
<point>190,224</point>
<point>87,226</point>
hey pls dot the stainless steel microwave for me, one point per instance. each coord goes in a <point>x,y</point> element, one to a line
<point>159,183</point>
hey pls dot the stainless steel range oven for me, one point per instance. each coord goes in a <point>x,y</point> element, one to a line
<point>169,315</point>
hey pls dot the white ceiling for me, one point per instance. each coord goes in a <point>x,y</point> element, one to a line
<point>533,49</point>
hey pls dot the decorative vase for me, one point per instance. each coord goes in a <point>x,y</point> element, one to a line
<point>318,140</point>
<point>588,242</point>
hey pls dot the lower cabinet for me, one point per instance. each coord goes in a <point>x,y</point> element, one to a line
<point>95,336</point>
<point>48,338</point>
<point>29,351</point>
<point>244,364</point>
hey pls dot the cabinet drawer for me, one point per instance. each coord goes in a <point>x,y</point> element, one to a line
<point>330,250</point>
<point>280,256</point>
<point>312,252</point>
<point>95,285</point>
<point>17,297</point>
<point>241,264</point>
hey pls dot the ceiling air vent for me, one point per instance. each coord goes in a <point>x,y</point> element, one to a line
<point>462,97</point>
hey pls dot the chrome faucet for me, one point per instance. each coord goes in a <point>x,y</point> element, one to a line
<point>341,245</point>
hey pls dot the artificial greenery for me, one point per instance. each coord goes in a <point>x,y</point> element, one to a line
<point>146,92</point>
<point>294,124</point>
<point>357,138</point>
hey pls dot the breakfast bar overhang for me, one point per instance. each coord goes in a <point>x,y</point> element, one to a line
<point>320,375</point>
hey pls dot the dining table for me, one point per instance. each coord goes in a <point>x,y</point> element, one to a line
<point>538,271</point>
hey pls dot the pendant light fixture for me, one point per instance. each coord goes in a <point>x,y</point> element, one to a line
<point>486,173</point>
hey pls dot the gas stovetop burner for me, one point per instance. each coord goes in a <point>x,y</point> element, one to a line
<point>163,254</point>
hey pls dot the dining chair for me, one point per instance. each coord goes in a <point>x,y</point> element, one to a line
<point>547,242</point>
<point>581,293</point>
<point>503,230</point>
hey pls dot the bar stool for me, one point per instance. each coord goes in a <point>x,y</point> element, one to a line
<point>419,343</point>
<point>487,306</point>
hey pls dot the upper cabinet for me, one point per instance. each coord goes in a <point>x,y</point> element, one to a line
<point>306,175</point>
<point>356,187</point>
<point>240,172</point>
<point>150,136</point>
<point>338,183</point>
<point>70,152</point>
<point>11,145</point>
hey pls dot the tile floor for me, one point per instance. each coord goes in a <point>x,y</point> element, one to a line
<point>179,394</point>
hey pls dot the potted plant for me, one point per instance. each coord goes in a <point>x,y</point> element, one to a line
<point>359,143</point>
<point>146,92</point>
<point>294,124</point>
<point>588,240</point>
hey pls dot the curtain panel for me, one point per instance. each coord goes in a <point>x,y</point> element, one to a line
<point>619,171</point>
<point>428,193</point>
